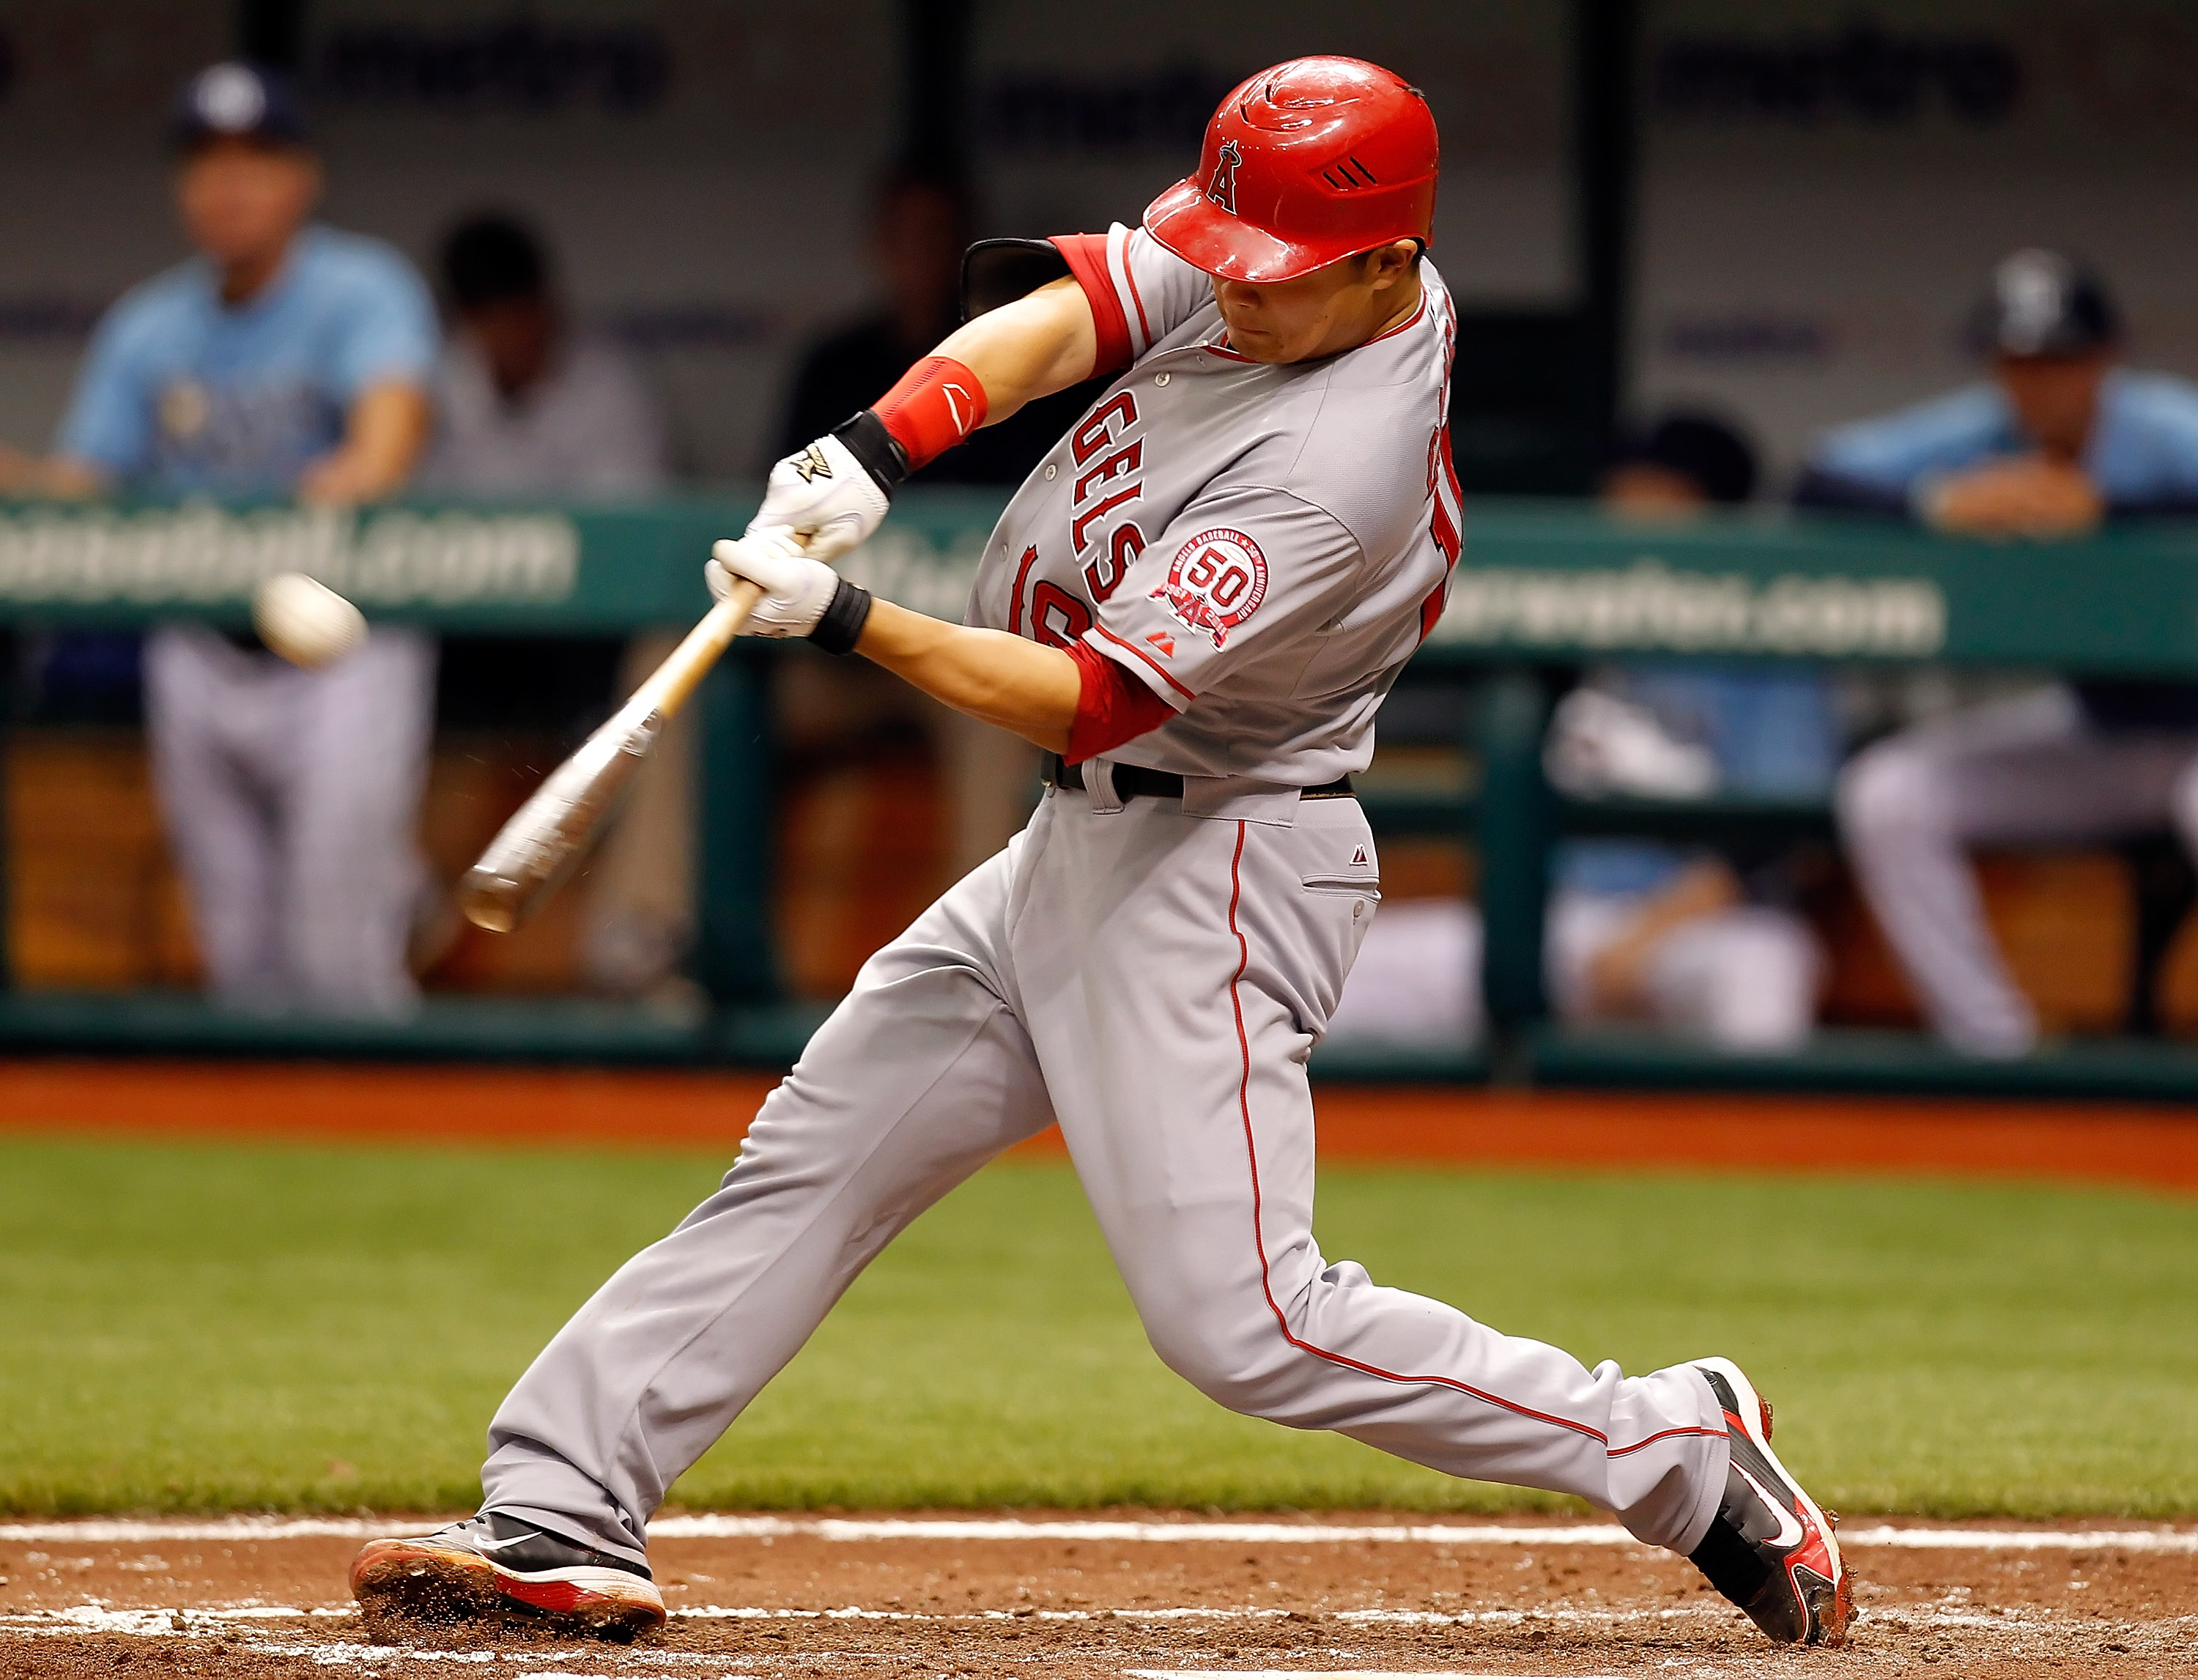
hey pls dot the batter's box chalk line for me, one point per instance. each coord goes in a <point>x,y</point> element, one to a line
<point>97,1531</point>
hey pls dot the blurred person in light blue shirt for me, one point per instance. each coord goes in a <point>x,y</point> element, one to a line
<point>285,359</point>
<point>2060,436</point>
<point>2060,439</point>
<point>186,392</point>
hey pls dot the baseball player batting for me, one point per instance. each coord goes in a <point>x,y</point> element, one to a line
<point>1195,605</point>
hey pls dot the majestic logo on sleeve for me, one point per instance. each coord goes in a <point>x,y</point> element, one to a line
<point>1216,581</point>
<point>1223,191</point>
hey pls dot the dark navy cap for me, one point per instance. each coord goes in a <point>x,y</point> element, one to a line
<point>239,101</point>
<point>2043,303</point>
<point>1708,452</point>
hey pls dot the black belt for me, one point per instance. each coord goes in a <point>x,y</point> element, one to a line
<point>1163,784</point>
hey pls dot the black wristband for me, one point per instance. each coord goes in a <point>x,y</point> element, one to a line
<point>869,443</point>
<point>841,626</point>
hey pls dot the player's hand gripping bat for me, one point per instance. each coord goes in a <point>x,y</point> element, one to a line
<point>546,835</point>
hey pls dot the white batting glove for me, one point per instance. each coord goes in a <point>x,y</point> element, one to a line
<point>823,495</point>
<point>796,588</point>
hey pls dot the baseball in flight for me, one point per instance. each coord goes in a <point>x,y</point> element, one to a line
<point>305,620</point>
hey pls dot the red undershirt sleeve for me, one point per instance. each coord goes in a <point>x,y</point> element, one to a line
<point>1086,254</point>
<point>1112,707</point>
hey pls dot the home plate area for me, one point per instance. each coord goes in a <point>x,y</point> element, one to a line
<point>1142,1594</point>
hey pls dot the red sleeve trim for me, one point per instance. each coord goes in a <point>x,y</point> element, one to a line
<point>1086,253</point>
<point>1132,647</point>
<point>1112,707</point>
<point>1130,273</point>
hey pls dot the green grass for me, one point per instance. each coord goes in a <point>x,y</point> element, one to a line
<point>207,1327</point>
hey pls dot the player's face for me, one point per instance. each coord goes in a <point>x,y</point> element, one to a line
<point>2054,397</point>
<point>1331,310</point>
<point>517,338</point>
<point>1641,490</point>
<point>242,202</point>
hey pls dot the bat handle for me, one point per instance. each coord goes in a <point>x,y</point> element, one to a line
<point>666,688</point>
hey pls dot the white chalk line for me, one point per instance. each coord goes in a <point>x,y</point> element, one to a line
<point>93,1532</point>
<point>97,1618</point>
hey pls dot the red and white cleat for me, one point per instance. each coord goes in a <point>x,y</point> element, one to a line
<point>1770,1549</point>
<point>492,1567</point>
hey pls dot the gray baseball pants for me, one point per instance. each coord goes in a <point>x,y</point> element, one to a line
<point>1153,980</point>
<point>2029,771</point>
<point>291,798</point>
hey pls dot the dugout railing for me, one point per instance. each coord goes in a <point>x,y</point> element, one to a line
<point>1544,588</point>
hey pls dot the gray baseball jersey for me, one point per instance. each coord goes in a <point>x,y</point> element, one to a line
<point>1264,546</point>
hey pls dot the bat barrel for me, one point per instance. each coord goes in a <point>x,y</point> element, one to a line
<point>546,836</point>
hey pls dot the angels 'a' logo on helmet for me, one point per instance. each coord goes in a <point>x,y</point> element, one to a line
<point>1223,188</point>
<point>1216,581</point>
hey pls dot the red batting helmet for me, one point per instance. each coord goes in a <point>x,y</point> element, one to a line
<point>1304,164</point>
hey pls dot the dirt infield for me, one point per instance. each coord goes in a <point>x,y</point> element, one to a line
<point>1119,1594</point>
<point>2097,1142</point>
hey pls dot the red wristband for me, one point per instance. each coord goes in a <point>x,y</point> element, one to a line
<point>937,404</point>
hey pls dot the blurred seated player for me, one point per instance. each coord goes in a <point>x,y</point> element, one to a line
<point>529,406</point>
<point>921,223</point>
<point>2061,437</point>
<point>285,359</point>
<point>1695,941</point>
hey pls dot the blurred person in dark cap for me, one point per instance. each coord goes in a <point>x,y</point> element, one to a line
<point>1685,462</point>
<point>529,405</point>
<point>920,223</point>
<point>284,360</point>
<point>2059,438</point>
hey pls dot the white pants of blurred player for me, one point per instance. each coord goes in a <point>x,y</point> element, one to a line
<point>1743,979</point>
<point>291,799</point>
<point>2029,771</point>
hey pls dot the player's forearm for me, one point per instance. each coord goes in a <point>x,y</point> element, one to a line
<point>386,429</point>
<point>1019,685</point>
<point>1031,348</point>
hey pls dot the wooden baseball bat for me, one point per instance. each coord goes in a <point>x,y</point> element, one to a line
<point>548,835</point>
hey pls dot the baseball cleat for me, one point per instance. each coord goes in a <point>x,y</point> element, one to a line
<point>1770,1549</point>
<point>492,1567</point>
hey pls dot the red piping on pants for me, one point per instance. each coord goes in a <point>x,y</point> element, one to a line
<point>1259,1235</point>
